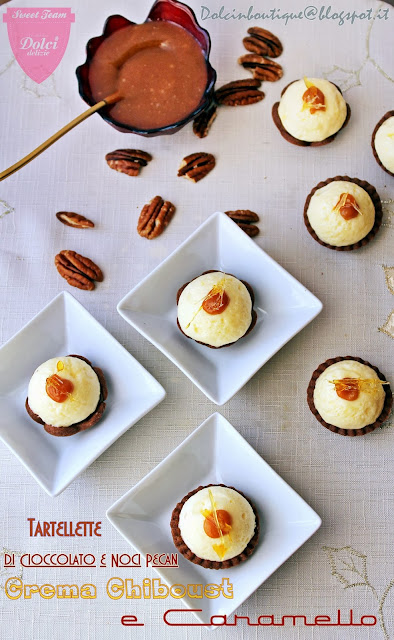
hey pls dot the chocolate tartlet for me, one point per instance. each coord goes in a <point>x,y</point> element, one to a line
<point>205,526</point>
<point>86,423</point>
<point>298,141</point>
<point>387,116</point>
<point>373,195</point>
<point>349,386</point>
<point>220,301</point>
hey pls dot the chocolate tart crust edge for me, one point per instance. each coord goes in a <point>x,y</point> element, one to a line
<point>90,421</point>
<point>383,119</point>
<point>388,402</point>
<point>303,143</point>
<point>370,189</point>
<point>254,314</point>
<point>211,564</point>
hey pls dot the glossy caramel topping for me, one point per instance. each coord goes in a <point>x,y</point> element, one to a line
<point>216,301</point>
<point>347,206</point>
<point>58,389</point>
<point>349,388</point>
<point>215,526</point>
<point>313,98</point>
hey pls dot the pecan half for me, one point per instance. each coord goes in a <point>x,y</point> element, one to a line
<point>79,271</point>
<point>203,122</point>
<point>239,93</point>
<point>75,220</point>
<point>244,219</point>
<point>251,230</point>
<point>196,166</point>
<point>154,217</point>
<point>262,68</point>
<point>129,161</point>
<point>243,215</point>
<point>263,42</point>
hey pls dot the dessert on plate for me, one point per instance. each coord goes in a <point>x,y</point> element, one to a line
<point>383,142</point>
<point>349,396</point>
<point>311,112</point>
<point>215,526</point>
<point>66,395</point>
<point>216,309</point>
<point>343,213</point>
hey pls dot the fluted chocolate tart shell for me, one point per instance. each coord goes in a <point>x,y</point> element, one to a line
<point>254,314</point>
<point>303,143</point>
<point>90,421</point>
<point>383,119</point>
<point>376,203</point>
<point>388,402</point>
<point>211,564</point>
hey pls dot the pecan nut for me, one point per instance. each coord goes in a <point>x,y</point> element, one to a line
<point>154,217</point>
<point>263,42</point>
<point>203,122</point>
<point>239,93</point>
<point>79,271</point>
<point>196,166</point>
<point>245,218</point>
<point>129,161</point>
<point>75,220</point>
<point>251,230</point>
<point>243,215</point>
<point>262,68</point>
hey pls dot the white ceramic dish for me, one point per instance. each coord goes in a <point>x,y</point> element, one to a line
<point>64,327</point>
<point>283,305</point>
<point>214,453</point>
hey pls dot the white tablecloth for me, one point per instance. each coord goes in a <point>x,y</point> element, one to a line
<point>348,481</point>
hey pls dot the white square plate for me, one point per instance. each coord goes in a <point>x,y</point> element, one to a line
<point>63,327</point>
<point>283,305</point>
<point>215,453</point>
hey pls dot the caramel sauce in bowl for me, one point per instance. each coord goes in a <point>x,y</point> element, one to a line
<point>160,68</point>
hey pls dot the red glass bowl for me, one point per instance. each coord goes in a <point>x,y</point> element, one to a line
<point>172,11</point>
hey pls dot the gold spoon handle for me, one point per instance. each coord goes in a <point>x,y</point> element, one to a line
<point>59,134</point>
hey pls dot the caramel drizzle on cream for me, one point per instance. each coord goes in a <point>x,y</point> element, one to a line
<point>221,548</point>
<point>342,202</point>
<point>316,106</point>
<point>217,288</point>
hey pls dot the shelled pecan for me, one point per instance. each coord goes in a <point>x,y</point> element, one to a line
<point>245,218</point>
<point>78,270</point>
<point>129,161</point>
<point>154,217</point>
<point>239,93</point>
<point>71,219</point>
<point>263,42</point>
<point>262,68</point>
<point>196,166</point>
<point>203,122</point>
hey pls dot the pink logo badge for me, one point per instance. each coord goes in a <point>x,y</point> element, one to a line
<point>38,38</point>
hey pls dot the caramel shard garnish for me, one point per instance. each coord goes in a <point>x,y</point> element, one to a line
<point>347,206</point>
<point>313,98</point>
<point>363,384</point>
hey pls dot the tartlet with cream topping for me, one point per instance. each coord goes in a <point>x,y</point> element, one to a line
<point>383,142</point>
<point>311,112</point>
<point>66,395</point>
<point>216,309</point>
<point>349,396</point>
<point>343,213</point>
<point>215,526</point>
